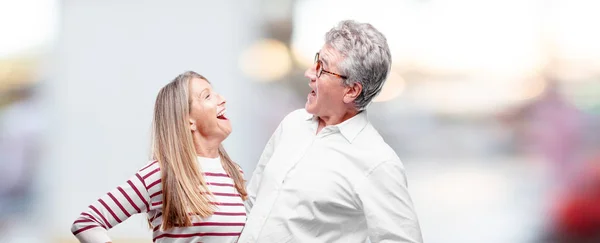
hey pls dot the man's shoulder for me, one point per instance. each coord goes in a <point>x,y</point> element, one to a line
<point>369,139</point>
<point>296,115</point>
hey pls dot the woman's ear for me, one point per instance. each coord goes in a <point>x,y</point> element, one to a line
<point>192,125</point>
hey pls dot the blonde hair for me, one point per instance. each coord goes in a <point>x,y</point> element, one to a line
<point>185,191</point>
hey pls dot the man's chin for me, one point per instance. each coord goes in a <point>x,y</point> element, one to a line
<point>309,107</point>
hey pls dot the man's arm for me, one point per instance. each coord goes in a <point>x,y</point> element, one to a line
<point>254,182</point>
<point>387,205</point>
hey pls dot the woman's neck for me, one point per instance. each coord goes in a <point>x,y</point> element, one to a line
<point>208,148</point>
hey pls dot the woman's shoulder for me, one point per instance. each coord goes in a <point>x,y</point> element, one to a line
<point>150,167</point>
<point>150,174</point>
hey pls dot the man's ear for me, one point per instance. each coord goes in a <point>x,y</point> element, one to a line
<point>352,92</point>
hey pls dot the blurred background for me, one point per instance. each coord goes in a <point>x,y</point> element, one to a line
<point>493,105</point>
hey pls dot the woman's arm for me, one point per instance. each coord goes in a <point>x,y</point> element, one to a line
<point>113,208</point>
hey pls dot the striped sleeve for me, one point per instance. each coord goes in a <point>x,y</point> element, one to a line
<point>114,207</point>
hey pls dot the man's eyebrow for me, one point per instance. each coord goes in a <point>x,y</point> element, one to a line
<point>324,60</point>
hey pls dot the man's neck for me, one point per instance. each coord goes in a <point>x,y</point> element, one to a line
<point>335,119</point>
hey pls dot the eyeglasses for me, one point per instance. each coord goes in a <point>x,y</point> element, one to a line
<point>320,69</point>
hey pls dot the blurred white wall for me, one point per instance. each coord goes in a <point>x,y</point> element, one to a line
<point>112,57</point>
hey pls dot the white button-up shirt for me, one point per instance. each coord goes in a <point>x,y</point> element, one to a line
<point>344,184</point>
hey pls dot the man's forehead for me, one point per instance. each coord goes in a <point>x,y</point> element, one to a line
<point>329,53</point>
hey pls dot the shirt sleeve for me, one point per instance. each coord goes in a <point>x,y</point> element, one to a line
<point>387,205</point>
<point>111,209</point>
<point>254,182</point>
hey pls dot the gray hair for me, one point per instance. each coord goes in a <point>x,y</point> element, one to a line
<point>367,58</point>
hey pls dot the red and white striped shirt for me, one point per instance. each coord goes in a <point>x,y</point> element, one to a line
<point>142,193</point>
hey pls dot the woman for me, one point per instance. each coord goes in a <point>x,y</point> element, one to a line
<point>192,191</point>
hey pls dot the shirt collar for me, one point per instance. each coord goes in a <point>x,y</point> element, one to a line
<point>349,128</point>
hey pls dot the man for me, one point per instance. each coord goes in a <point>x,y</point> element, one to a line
<point>326,175</point>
